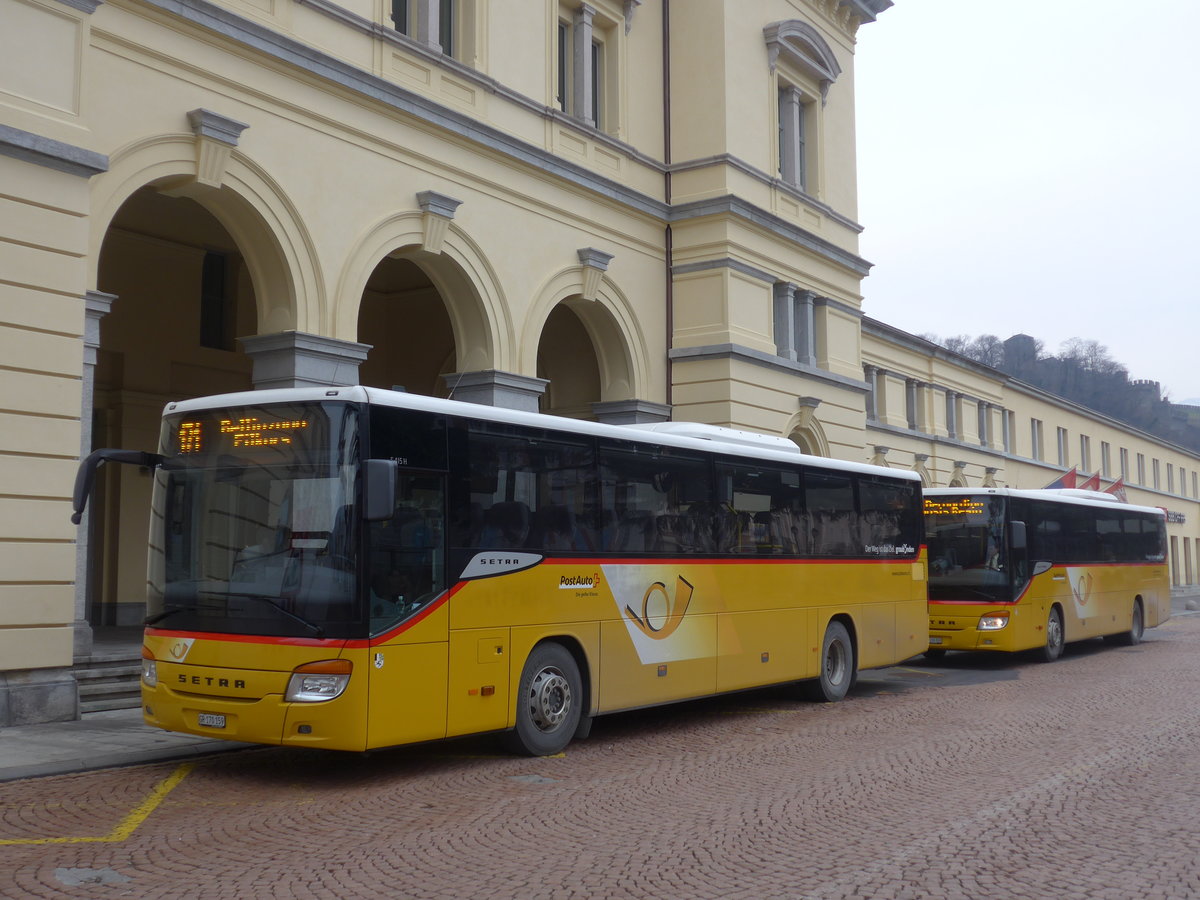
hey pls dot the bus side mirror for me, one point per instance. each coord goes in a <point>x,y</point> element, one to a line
<point>380,489</point>
<point>86,476</point>
<point>1017,535</point>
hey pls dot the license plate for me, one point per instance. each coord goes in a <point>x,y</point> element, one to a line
<point>935,640</point>
<point>211,720</point>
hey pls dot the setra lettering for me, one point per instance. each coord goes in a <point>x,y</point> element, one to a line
<point>210,681</point>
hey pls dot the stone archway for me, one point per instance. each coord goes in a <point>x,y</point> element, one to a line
<point>582,336</point>
<point>183,266</point>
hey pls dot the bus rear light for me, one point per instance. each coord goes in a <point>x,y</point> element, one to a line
<point>318,681</point>
<point>993,621</point>
<point>149,668</point>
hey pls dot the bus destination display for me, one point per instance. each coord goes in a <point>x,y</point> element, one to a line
<point>957,506</point>
<point>244,431</point>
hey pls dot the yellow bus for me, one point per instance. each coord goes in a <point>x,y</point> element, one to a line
<point>1036,569</point>
<point>351,568</point>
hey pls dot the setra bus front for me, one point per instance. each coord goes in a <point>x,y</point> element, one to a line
<point>978,570</point>
<point>256,615</point>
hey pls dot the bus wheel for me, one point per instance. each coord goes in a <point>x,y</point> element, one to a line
<point>1137,625</point>
<point>837,667</point>
<point>1054,636</point>
<point>548,702</point>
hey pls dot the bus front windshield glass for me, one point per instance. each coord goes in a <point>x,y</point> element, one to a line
<point>254,529</point>
<point>968,554</point>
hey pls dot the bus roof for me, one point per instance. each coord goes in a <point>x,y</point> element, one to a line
<point>682,435</point>
<point>1053,495</point>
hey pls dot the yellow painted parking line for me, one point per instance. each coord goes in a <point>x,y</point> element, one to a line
<point>126,826</point>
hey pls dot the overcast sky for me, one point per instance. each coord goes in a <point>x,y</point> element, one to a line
<point>1032,166</point>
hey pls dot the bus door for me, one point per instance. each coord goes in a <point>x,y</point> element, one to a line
<point>405,570</point>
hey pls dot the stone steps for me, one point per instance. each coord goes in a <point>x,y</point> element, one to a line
<point>112,681</point>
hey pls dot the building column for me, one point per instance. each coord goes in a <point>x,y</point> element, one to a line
<point>492,387</point>
<point>806,338</point>
<point>952,427</point>
<point>628,412</point>
<point>582,52</point>
<point>785,320</point>
<point>96,306</point>
<point>869,373</point>
<point>295,359</point>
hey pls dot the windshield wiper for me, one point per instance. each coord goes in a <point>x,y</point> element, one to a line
<point>316,629</point>
<point>158,617</point>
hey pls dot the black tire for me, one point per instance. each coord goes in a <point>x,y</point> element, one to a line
<point>934,653</point>
<point>838,667</point>
<point>1137,626</point>
<point>1055,638</point>
<point>549,702</point>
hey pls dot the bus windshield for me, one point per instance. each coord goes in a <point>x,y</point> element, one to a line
<point>254,528</point>
<point>968,553</point>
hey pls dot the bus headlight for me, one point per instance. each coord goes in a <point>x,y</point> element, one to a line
<point>993,621</point>
<point>149,669</point>
<point>314,682</point>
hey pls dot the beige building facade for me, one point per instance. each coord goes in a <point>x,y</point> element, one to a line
<point>620,210</point>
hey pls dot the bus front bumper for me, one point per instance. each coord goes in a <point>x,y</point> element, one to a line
<point>266,720</point>
<point>974,630</point>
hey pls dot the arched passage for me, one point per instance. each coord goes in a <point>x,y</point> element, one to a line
<point>391,286</point>
<point>180,272</point>
<point>590,351</point>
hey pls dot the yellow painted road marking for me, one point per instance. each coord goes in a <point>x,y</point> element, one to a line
<point>126,826</point>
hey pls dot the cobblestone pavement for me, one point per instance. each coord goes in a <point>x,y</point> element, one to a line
<point>970,778</point>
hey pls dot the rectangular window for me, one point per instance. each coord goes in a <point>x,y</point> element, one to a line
<point>1010,426</point>
<point>564,70</point>
<point>793,154</point>
<point>597,64</point>
<point>984,424</point>
<point>654,501</point>
<point>447,22</point>
<point>215,306</point>
<point>1141,468</point>
<point>1105,459</point>
<point>1170,478</point>
<point>1124,463</point>
<point>1063,451</point>
<point>1036,450</point>
<point>1196,485</point>
<point>400,16</point>
<point>1154,468</point>
<point>588,47</point>
<point>1085,453</point>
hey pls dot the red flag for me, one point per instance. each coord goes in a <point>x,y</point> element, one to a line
<point>1117,489</point>
<point>1066,480</point>
<point>1091,484</point>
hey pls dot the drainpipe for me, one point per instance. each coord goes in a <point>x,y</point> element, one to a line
<point>668,240</point>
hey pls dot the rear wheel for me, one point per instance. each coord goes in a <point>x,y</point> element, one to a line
<point>1137,625</point>
<point>838,670</point>
<point>548,702</point>
<point>1054,636</point>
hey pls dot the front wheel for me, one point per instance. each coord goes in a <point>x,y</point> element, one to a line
<point>1055,638</point>
<point>838,670</point>
<point>548,702</point>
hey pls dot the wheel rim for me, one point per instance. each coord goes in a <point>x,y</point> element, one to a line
<point>549,698</point>
<point>835,662</point>
<point>1054,632</point>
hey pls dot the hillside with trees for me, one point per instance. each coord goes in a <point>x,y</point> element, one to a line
<point>1084,372</point>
